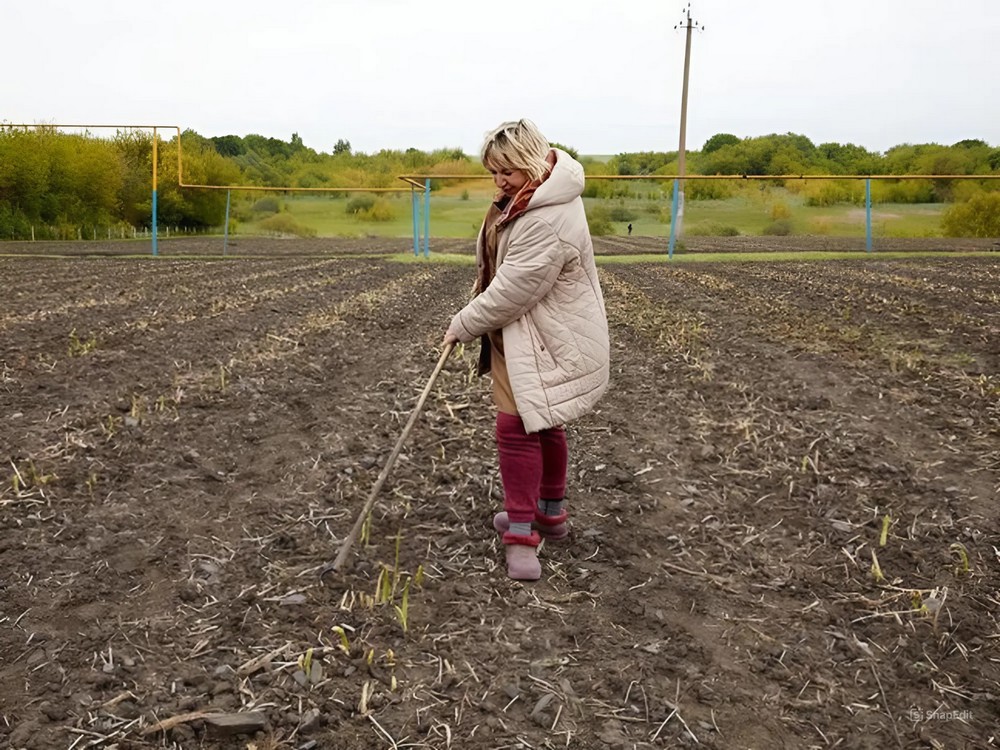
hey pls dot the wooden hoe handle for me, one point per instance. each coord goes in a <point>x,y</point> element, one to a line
<point>345,548</point>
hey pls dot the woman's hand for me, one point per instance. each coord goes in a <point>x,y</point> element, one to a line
<point>449,338</point>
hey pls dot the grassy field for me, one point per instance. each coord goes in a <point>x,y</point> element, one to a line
<point>457,211</point>
<point>753,217</point>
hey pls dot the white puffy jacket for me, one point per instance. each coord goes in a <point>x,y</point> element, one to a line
<point>546,298</point>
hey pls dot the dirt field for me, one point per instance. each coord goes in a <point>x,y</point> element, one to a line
<point>785,511</point>
<point>240,246</point>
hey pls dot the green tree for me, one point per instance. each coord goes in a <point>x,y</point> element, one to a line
<point>360,203</point>
<point>640,162</point>
<point>769,154</point>
<point>719,140</point>
<point>902,159</point>
<point>271,147</point>
<point>94,181</point>
<point>977,217</point>
<point>728,159</point>
<point>134,149</point>
<point>229,145</point>
<point>203,165</point>
<point>836,158</point>
<point>972,143</point>
<point>24,169</point>
<point>568,149</point>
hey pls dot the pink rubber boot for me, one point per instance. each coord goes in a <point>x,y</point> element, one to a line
<point>522,556</point>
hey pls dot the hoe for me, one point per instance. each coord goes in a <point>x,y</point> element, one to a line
<point>345,548</point>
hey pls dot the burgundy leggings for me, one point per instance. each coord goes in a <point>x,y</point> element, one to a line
<point>531,466</point>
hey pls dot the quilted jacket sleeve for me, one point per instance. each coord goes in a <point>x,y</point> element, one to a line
<point>534,259</point>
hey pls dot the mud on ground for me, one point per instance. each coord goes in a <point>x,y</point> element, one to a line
<point>785,512</point>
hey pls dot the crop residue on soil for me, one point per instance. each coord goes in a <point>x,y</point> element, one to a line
<point>785,512</point>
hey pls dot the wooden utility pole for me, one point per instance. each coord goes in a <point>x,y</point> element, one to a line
<point>688,25</point>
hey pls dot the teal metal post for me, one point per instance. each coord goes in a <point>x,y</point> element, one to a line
<point>673,220</point>
<point>155,251</point>
<point>416,223</point>
<point>868,215</point>
<point>225,229</point>
<point>427,217</point>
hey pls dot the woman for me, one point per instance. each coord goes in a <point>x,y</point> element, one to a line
<point>539,311</point>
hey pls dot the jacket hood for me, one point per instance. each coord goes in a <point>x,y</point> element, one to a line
<point>565,182</point>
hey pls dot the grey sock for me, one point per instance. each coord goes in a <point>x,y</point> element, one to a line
<point>550,507</point>
<point>520,529</point>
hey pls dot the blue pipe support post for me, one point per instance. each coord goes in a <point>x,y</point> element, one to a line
<point>225,229</point>
<point>416,223</point>
<point>673,220</point>
<point>427,217</point>
<point>156,185</point>
<point>868,215</point>
<point>155,251</point>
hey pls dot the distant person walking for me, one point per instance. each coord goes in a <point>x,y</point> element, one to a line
<point>629,230</point>
<point>539,313</point>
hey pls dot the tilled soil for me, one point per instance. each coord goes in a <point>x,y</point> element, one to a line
<point>257,246</point>
<point>784,511</point>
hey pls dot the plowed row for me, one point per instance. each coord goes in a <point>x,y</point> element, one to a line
<point>784,512</point>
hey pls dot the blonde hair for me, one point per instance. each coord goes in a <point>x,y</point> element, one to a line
<point>516,145</point>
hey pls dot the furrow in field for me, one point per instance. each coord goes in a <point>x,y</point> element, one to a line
<point>123,285</point>
<point>788,460</point>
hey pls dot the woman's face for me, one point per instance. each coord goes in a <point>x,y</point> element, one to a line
<point>509,180</point>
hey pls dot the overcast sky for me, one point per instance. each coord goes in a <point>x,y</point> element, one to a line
<point>603,76</point>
